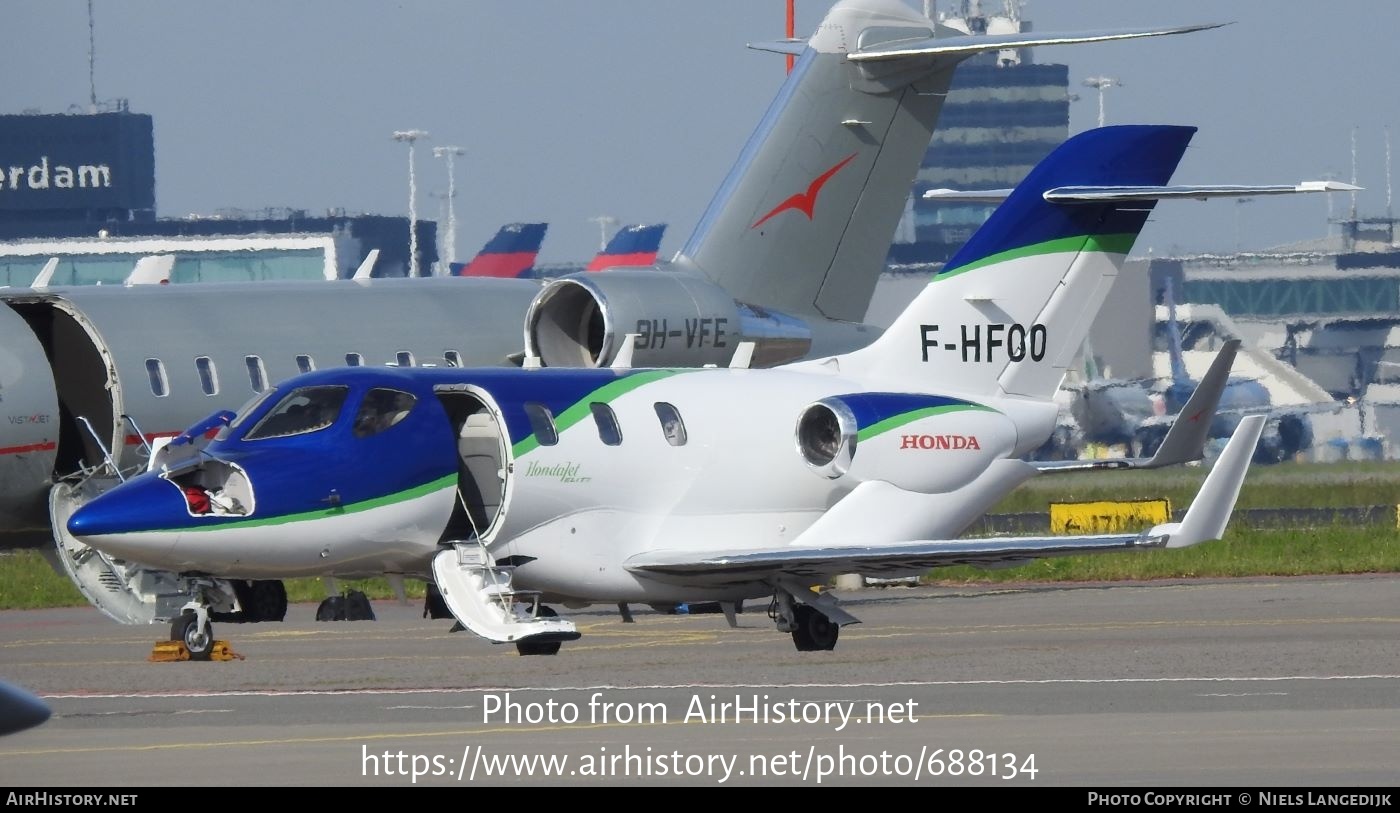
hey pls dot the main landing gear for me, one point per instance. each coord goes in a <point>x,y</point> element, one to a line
<point>814,619</point>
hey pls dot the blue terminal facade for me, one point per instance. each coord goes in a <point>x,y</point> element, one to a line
<point>82,187</point>
<point>1004,113</point>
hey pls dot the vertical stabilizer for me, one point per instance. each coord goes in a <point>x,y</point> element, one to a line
<point>1008,312</point>
<point>510,254</point>
<point>804,220</point>
<point>632,246</point>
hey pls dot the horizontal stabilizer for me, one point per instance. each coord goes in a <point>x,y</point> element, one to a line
<point>791,47</point>
<point>975,44</point>
<point>1118,194</point>
<point>1186,439</point>
<point>968,195</point>
<point>1100,194</point>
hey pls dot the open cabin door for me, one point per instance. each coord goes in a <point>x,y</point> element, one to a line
<point>483,466</point>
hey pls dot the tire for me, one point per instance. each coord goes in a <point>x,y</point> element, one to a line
<point>433,604</point>
<point>185,629</point>
<point>815,632</point>
<point>269,600</point>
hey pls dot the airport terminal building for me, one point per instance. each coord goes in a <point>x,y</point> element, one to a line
<point>81,188</point>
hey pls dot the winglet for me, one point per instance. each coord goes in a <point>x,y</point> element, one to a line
<point>366,268</point>
<point>743,356</point>
<point>41,279</point>
<point>1185,440</point>
<point>1187,437</point>
<point>623,361</point>
<point>1210,511</point>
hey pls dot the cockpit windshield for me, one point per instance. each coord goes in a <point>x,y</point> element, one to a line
<point>381,409</point>
<point>303,410</point>
<point>243,412</point>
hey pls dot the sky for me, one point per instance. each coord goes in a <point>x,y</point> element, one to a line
<point>636,109</point>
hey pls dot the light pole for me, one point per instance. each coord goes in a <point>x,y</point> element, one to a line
<point>411,136</point>
<point>603,221</point>
<point>1101,83</point>
<point>450,152</point>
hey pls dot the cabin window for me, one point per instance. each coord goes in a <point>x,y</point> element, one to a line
<point>208,376</point>
<point>608,430</point>
<point>672,427</point>
<point>404,358</point>
<point>160,385</point>
<point>257,373</point>
<point>354,360</point>
<point>303,410</point>
<point>381,409</point>
<point>453,358</point>
<point>542,423</point>
<point>305,363</point>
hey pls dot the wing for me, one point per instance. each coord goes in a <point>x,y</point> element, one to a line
<point>1204,520</point>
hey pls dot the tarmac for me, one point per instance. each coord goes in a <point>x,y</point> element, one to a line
<point>1252,682</point>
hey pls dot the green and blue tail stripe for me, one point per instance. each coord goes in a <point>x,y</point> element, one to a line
<point>1026,224</point>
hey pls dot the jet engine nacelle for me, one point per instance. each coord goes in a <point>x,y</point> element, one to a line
<point>679,320</point>
<point>919,443</point>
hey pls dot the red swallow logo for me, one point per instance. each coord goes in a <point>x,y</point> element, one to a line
<point>804,202</point>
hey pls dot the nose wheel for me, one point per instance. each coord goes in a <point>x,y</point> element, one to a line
<point>192,628</point>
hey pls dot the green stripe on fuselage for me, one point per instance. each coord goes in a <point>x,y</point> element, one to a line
<point>1102,243</point>
<point>604,394</point>
<point>446,481</point>
<point>895,421</point>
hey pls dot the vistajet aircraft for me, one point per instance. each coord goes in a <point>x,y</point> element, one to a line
<point>663,486</point>
<point>785,257</point>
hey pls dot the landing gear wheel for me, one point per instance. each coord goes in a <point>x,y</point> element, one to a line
<point>200,642</point>
<point>269,600</point>
<point>434,606</point>
<point>814,632</point>
<point>540,647</point>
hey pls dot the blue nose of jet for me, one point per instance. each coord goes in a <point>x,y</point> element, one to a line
<point>144,503</point>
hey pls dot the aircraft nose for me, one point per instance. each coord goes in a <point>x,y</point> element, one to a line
<point>142,504</point>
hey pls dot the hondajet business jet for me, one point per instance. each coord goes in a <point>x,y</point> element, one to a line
<point>783,261</point>
<point>660,486</point>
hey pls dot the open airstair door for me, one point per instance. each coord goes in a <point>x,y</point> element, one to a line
<point>483,466</point>
<point>477,591</point>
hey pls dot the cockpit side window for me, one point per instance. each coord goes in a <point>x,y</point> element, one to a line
<point>303,410</point>
<point>381,409</point>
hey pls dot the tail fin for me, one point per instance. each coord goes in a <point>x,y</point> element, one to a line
<point>1010,309</point>
<point>804,220</point>
<point>633,246</point>
<point>511,253</point>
